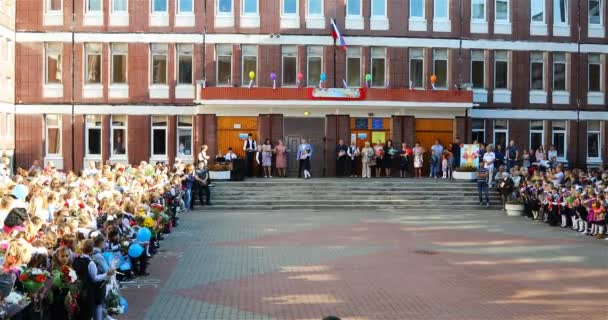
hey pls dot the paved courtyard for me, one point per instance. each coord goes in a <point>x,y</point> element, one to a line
<point>372,265</point>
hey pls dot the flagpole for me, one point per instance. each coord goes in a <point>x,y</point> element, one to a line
<point>335,75</point>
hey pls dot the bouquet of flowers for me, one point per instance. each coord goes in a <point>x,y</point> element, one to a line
<point>65,277</point>
<point>33,279</point>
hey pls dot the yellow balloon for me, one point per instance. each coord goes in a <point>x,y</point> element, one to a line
<point>251,75</point>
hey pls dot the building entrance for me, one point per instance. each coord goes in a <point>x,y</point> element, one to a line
<point>311,129</point>
<point>427,130</point>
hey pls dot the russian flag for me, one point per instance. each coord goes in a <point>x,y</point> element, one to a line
<point>337,35</point>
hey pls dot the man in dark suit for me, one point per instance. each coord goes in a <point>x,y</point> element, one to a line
<point>202,183</point>
<point>341,151</point>
<point>250,147</point>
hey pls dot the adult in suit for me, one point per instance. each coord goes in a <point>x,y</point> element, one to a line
<point>341,156</point>
<point>304,155</point>
<point>250,147</point>
<point>202,183</point>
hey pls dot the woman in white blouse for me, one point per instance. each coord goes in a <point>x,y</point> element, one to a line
<point>202,156</point>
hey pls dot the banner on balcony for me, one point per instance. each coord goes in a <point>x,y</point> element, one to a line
<point>336,93</point>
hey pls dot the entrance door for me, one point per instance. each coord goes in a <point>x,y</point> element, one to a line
<point>427,130</point>
<point>311,129</point>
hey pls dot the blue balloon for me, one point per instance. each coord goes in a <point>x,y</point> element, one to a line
<point>323,76</point>
<point>109,256</point>
<point>136,250</point>
<point>144,235</point>
<point>123,303</point>
<point>20,191</point>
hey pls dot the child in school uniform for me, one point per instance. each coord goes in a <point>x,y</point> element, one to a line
<point>444,165</point>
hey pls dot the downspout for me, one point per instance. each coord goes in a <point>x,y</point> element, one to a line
<point>72,83</point>
<point>578,89</point>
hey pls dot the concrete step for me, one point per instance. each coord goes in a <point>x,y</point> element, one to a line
<point>289,206</point>
<point>349,202</point>
<point>349,197</point>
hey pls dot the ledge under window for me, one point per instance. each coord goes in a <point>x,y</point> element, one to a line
<point>91,157</point>
<point>93,19</point>
<point>378,23</point>
<point>596,31</point>
<point>224,21</point>
<point>561,97</point>
<point>52,90</point>
<point>502,96</point>
<point>159,19</point>
<point>561,30</point>
<point>184,91</point>
<point>479,26</point>
<point>538,97</point>
<point>159,91</point>
<point>185,20</point>
<point>250,21</point>
<point>92,91</point>
<point>595,98</point>
<point>538,29</point>
<point>418,24</point>
<point>118,91</point>
<point>53,18</point>
<point>159,158</point>
<point>441,25</point>
<point>122,158</point>
<point>354,22</point>
<point>480,95</point>
<point>502,28</point>
<point>290,22</point>
<point>315,22</point>
<point>119,19</point>
<point>57,160</point>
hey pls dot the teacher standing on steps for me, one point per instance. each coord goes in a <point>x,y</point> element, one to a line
<point>304,155</point>
<point>250,147</point>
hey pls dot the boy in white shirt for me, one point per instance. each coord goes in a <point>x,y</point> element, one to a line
<point>488,162</point>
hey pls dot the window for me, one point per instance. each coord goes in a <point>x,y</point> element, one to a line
<point>501,69</point>
<point>314,65</point>
<point>93,63</point>
<point>595,12</point>
<point>223,53</point>
<point>250,62</point>
<point>537,71</point>
<point>53,63</point>
<point>93,135</point>
<point>290,7</point>
<point>479,130</point>
<point>440,67</point>
<point>159,63</point>
<point>119,63</point>
<point>53,134</point>
<point>560,12</point>
<point>378,8</point>
<point>537,11</point>
<point>185,6</point>
<point>159,136</point>
<point>502,10</point>
<point>250,7</point>
<point>118,131</point>
<point>224,7</point>
<point>119,6</point>
<point>93,6</point>
<point>593,140</point>
<point>289,58</point>
<point>353,67</point>
<point>595,73</point>
<point>478,10</point>
<point>378,67</point>
<point>417,8</point>
<point>559,72</point>
<point>478,69</point>
<point>558,138</point>
<point>184,136</point>
<point>416,68</point>
<point>315,7</point>
<point>501,132</point>
<point>159,6</point>
<point>441,9</point>
<point>537,134</point>
<point>353,7</point>
<point>54,5</point>
<point>184,64</point>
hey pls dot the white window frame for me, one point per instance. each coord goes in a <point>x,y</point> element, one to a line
<point>308,14</point>
<point>284,14</point>
<point>217,65</point>
<point>565,132</point>
<point>536,131</point>
<point>360,9</point>
<point>191,128</point>
<point>92,125</point>
<point>87,52</point>
<point>602,4</point>
<point>566,71</point>
<point>423,16</point>
<point>372,58</point>
<point>47,7</point>
<point>96,12</point>
<point>157,12</point>
<point>508,70</point>
<point>48,50</point>
<point>351,54</point>
<point>447,67</point>
<point>567,14</point>
<point>601,75</point>
<point>308,57</point>
<point>485,9</point>
<point>483,59</point>
<point>178,9</point>
<point>505,131</point>
<point>544,73</point>
<point>257,8</point>
<point>482,130</point>
<point>597,159</point>
<point>220,13</point>
<point>508,12</point>
<point>372,15</point>
<point>411,82</point>
<point>435,17</point>
<point>115,50</point>
<point>245,73</point>
<point>288,55</point>
<point>181,50</point>
<point>544,22</point>
<point>121,12</point>
<point>125,127</point>
<point>46,135</point>
<point>159,157</point>
<point>153,53</point>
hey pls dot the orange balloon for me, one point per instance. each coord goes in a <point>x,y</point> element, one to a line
<point>433,78</point>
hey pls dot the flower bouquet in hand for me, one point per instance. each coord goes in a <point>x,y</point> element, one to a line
<point>33,279</point>
<point>65,280</point>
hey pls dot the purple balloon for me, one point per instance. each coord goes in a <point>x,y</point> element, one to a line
<point>273,76</point>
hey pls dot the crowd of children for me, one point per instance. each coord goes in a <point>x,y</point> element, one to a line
<point>68,240</point>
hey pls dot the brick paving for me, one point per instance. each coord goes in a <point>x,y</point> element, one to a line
<point>301,265</point>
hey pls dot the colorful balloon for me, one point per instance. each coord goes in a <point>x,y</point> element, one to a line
<point>136,250</point>
<point>144,235</point>
<point>273,76</point>
<point>251,75</point>
<point>123,303</point>
<point>368,77</point>
<point>433,78</point>
<point>300,76</point>
<point>323,76</point>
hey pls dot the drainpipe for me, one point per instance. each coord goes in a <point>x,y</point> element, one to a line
<point>72,83</point>
<point>578,89</point>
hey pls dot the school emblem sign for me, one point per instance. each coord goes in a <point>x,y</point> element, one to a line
<point>336,93</point>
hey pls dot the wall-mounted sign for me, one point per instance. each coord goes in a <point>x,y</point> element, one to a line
<point>336,93</point>
<point>237,126</point>
<point>362,136</point>
<point>469,155</point>
<point>361,123</point>
<point>243,136</point>
<point>377,123</point>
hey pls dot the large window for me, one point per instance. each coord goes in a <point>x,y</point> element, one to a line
<point>560,12</point>
<point>353,7</point>
<point>416,56</point>
<point>595,12</point>
<point>250,7</point>
<point>537,11</point>
<point>315,7</point>
<point>185,6</point>
<point>290,7</point>
<point>119,63</point>
<point>53,134</point>
<point>537,134</point>
<point>224,7</point>
<point>53,63</point>
<point>119,6</point>
<point>159,136</point>
<point>93,6</point>
<point>223,57</point>
<point>159,6</point>
<point>184,64</point>
<point>595,73</point>
<point>559,72</point>
<point>440,67</point>
<point>501,70</point>
<point>314,65</point>
<point>478,69</point>
<point>502,10</point>
<point>353,66</point>
<point>441,9</point>
<point>93,135</point>
<point>417,8</point>
<point>558,138</point>
<point>479,130</point>
<point>478,10</point>
<point>118,130</point>
<point>289,58</point>
<point>378,8</point>
<point>93,63</point>
<point>537,71</point>
<point>159,63</point>
<point>184,136</point>
<point>378,67</point>
<point>249,63</point>
<point>53,5</point>
<point>594,146</point>
<point>501,132</point>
